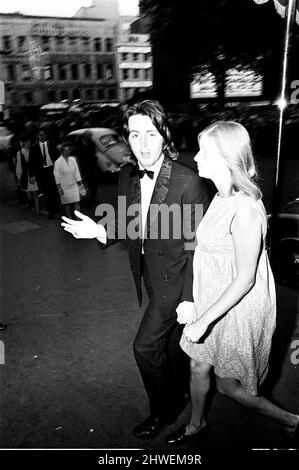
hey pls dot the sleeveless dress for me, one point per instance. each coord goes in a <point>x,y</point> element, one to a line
<point>238,344</point>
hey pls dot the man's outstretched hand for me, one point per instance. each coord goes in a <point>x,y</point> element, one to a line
<point>84,228</point>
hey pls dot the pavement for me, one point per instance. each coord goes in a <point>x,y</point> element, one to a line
<point>68,375</point>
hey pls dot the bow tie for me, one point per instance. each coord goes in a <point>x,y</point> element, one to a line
<point>149,173</point>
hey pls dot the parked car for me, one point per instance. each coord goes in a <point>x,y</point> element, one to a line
<point>5,141</point>
<point>111,150</point>
<point>285,245</point>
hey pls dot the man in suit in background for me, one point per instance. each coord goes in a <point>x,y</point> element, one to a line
<point>41,160</point>
<point>151,180</point>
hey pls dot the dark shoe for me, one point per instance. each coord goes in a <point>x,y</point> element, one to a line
<point>3,326</point>
<point>149,427</point>
<point>179,437</point>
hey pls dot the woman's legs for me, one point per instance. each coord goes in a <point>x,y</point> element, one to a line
<point>200,386</point>
<point>77,206</point>
<point>233,389</point>
<point>68,210</point>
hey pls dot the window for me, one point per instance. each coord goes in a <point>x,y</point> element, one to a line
<point>147,75</point>
<point>64,95</point>
<point>7,42</point>
<point>136,73</point>
<point>28,97</point>
<point>77,94</point>
<point>61,72</point>
<point>85,42</point>
<point>108,44</point>
<point>109,72</point>
<point>89,94</point>
<point>97,43</point>
<point>73,42</point>
<point>21,43</point>
<point>48,72</point>
<point>11,72</point>
<point>45,43</point>
<point>25,72</point>
<point>51,95</point>
<point>112,94</point>
<point>60,43</point>
<point>100,71</point>
<point>87,70</point>
<point>146,57</point>
<point>74,72</point>
<point>125,74</point>
<point>135,56</point>
<point>100,94</point>
<point>124,57</point>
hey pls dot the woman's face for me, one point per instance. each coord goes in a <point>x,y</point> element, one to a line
<point>66,150</point>
<point>210,163</point>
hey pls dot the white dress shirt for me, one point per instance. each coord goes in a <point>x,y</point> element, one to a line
<point>49,161</point>
<point>147,186</point>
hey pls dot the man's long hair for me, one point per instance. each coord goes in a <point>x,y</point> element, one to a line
<point>155,112</point>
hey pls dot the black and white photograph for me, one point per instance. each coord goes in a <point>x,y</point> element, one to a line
<point>149,232</point>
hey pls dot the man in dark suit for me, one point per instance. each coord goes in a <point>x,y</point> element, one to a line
<point>41,163</point>
<point>159,250</point>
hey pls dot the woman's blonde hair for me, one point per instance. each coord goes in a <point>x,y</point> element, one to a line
<point>233,143</point>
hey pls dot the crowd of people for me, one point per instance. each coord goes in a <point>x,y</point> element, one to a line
<point>58,173</point>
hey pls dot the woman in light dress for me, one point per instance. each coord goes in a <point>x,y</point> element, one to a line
<point>23,180</point>
<point>68,180</point>
<point>229,327</point>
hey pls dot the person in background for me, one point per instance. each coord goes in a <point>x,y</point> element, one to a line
<point>229,328</point>
<point>29,185</point>
<point>85,151</point>
<point>68,180</point>
<point>41,160</point>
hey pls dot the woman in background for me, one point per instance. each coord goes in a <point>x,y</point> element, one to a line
<point>68,180</point>
<point>23,180</point>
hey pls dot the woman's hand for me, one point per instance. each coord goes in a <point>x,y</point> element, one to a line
<point>186,312</point>
<point>195,331</point>
<point>84,228</point>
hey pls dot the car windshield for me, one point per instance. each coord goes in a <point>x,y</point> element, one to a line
<point>108,140</point>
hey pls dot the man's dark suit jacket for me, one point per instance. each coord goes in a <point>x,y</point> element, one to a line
<point>36,158</point>
<point>170,266</point>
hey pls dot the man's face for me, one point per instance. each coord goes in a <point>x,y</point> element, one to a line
<point>145,140</point>
<point>42,136</point>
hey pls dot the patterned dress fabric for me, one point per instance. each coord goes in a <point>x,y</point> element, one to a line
<point>238,344</point>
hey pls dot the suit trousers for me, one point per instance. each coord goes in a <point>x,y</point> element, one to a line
<point>164,367</point>
<point>46,183</point>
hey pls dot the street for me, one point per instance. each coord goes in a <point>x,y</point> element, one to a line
<point>69,379</point>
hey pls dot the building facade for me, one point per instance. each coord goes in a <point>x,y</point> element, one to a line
<point>49,59</point>
<point>134,59</point>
